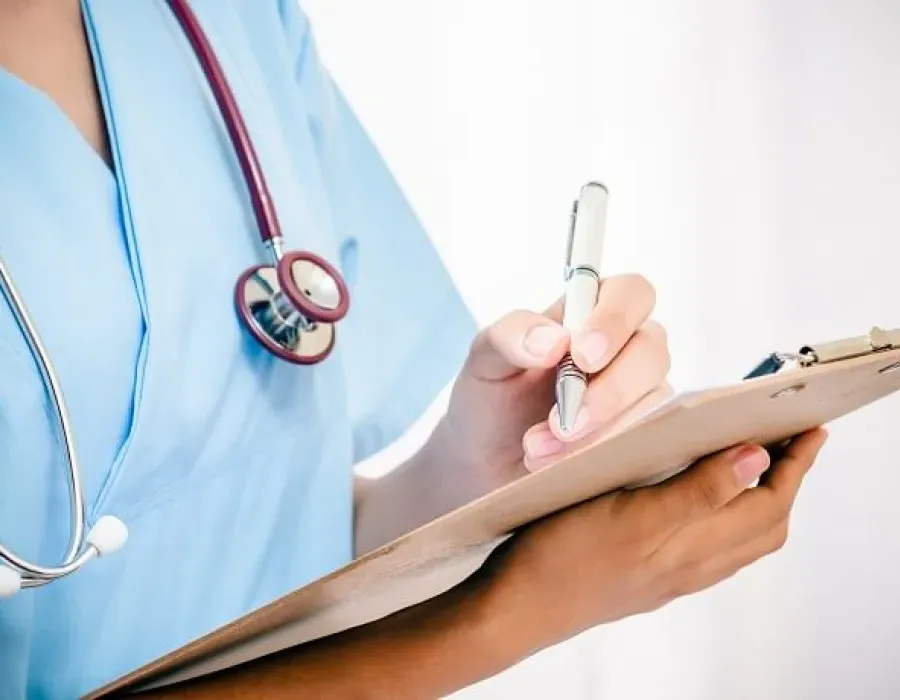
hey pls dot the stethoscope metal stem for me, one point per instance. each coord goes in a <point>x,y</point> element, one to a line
<point>274,249</point>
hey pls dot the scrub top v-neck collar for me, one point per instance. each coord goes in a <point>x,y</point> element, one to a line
<point>119,172</point>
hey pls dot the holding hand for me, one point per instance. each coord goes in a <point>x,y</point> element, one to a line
<point>634,551</point>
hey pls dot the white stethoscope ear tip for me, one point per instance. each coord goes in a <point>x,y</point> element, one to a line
<point>10,582</point>
<point>108,534</point>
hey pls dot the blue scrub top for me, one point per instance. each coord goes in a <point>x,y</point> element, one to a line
<point>231,469</point>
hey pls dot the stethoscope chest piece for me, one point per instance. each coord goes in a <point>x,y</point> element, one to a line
<point>291,307</point>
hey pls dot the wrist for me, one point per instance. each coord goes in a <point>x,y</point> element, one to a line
<point>432,649</point>
<point>468,637</point>
<point>507,626</point>
<point>435,480</point>
<point>456,473</point>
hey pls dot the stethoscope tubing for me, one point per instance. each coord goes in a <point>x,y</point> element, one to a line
<point>263,206</point>
<point>78,515</point>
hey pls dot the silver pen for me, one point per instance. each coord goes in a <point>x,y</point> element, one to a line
<point>584,253</point>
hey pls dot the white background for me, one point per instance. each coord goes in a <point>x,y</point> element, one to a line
<point>753,155</point>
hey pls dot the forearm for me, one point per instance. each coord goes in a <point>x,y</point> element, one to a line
<point>428,651</point>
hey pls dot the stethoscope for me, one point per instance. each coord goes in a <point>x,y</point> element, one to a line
<point>289,305</point>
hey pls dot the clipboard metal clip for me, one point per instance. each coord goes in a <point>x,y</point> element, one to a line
<point>877,340</point>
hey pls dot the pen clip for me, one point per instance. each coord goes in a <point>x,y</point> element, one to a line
<point>570,242</point>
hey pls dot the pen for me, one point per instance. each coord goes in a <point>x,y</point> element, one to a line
<point>584,253</point>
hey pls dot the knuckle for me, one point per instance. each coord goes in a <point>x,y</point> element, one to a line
<point>657,332</point>
<point>643,286</point>
<point>655,398</point>
<point>611,398</point>
<point>664,558</point>
<point>782,505</point>
<point>681,583</point>
<point>664,391</point>
<point>517,318</point>
<point>480,342</point>
<point>651,356</point>
<point>675,588</point>
<point>616,325</point>
<point>497,334</point>
<point>661,358</point>
<point>706,494</point>
<point>779,537</point>
<point>490,337</point>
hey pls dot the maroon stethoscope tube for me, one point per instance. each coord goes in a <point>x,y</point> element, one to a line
<point>287,283</point>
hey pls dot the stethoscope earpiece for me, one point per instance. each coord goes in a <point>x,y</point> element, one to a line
<point>107,536</point>
<point>10,582</point>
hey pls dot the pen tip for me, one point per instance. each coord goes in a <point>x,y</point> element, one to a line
<point>571,391</point>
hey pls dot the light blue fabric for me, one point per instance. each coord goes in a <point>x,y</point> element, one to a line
<point>231,469</point>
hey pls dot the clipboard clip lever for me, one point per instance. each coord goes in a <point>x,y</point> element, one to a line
<point>876,340</point>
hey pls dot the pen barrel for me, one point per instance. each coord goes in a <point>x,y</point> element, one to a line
<point>582,289</point>
<point>589,228</point>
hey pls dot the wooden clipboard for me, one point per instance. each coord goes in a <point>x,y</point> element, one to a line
<point>785,395</point>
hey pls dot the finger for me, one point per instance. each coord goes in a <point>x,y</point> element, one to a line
<point>624,303</point>
<point>701,490</point>
<point>750,515</point>
<point>709,572</point>
<point>543,449</point>
<point>556,310</point>
<point>636,371</point>
<point>701,541</point>
<point>794,464</point>
<point>648,403</point>
<point>520,340</point>
<point>772,501</point>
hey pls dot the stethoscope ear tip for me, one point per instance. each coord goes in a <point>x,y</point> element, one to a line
<point>108,534</point>
<point>10,582</point>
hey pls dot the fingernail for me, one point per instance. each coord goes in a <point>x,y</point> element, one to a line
<point>541,340</point>
<point>577,428</point>
<point>541,444</point>
<point>592,347</point>
<point>750,463</point>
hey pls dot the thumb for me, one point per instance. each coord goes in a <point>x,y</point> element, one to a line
<point>710,484</point>
<point>519,341</point>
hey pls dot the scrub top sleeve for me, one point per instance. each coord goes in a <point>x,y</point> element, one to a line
<point>408,330</point>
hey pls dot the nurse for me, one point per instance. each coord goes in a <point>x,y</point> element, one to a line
<point>124,221</point>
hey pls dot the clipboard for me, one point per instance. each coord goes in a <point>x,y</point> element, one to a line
<point>786,394</point>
